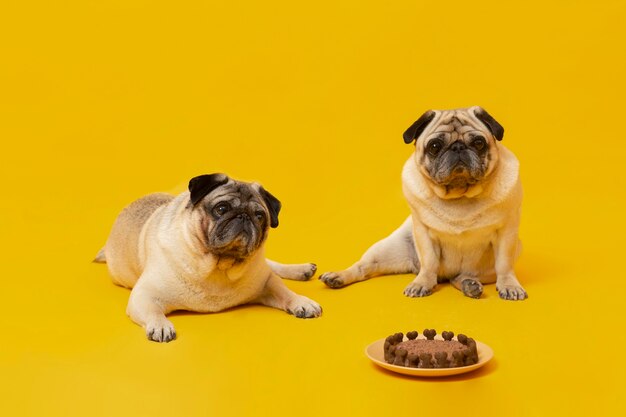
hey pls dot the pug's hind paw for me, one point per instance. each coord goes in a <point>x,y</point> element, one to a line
<point>309,271</point>
<point>304,308</point>
<point>472,288</point>
<point>332,280</point>
<point>297,272</point>
<point>417,290</point>
<point>161,330</point>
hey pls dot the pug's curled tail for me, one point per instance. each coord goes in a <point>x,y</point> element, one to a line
<point>100,257</point>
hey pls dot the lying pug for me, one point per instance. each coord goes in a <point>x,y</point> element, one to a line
<point>465,195</point>
<point>201,251</point>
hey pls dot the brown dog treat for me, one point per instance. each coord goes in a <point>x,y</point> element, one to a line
<point>426,360</point>
<point>430,333</point>
<point>469,358</point>
<point>391,340</point>
<point>400,357</point>
<point>447,335</point>
<point>458,359</point>
<point>441,360</point>
<point>471,343</point>
<point>414,360</point>
<point>399,336</point>
<point>462,338</point>
<point>412,335</point>
<point>390,354</point>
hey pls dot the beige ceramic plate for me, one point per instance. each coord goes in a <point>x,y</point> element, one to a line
<point>376,354</point>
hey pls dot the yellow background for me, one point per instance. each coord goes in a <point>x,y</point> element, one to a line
<point>104,101</point>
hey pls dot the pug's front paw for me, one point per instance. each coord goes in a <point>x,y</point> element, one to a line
<point>304,308</point>
<point>512,292</point>
<point>160,330</point>
<point>415,289</point>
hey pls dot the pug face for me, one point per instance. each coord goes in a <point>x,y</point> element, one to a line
<point>456,149</point>
<point>456,155</point>
<point>231,218</point>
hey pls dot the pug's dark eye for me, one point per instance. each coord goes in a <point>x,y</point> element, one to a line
<point>479,143</point>
<point>434,147</point>
<point>259,215</point>
<point>221,209</point>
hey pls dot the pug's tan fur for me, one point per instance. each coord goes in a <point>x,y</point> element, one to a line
<point>464,233</point>
<point>156,248</point>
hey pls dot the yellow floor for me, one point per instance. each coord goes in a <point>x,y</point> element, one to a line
<point>102,102</point>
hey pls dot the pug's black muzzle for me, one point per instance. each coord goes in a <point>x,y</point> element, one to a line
<point>458,164</point>
<point>239,224</point>
<point>236,236</point>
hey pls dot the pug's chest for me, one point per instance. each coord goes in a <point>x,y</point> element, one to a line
<point>461,221</point>
<point>218,291</point>
<point>469,252</point>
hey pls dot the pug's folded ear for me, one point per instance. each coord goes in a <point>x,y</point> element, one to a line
<point>494,127</point>
<point>202,185</point>
<point>273,205</point>
<point>416,129</point>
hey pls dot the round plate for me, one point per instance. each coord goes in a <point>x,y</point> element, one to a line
<point>376,354</point>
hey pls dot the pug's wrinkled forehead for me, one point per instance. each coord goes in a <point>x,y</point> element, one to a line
<point>221,187</point>
<point>454,124</point>
<point>236,193</point>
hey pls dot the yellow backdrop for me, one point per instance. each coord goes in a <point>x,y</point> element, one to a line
<point>102,102</point>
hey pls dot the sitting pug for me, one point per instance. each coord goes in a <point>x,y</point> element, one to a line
<point>202,251</point>
<point>465,195</point>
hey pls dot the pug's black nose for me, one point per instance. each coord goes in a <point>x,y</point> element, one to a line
<point>458,146</point>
